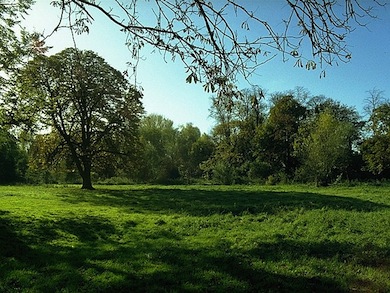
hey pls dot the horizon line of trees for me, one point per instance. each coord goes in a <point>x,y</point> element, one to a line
<point>286,137</point>
<point>71,116</point>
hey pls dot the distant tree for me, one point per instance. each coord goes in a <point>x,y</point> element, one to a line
<point>376,154</point>
<point>375,149</point>
<point>89,106</point>
<point>158,139</point>
<point>236,124</point>
<point>344,114</point>
<point>192,150</point>
<point>218,40</point>
<point>374,99</point>
<point>45,165</point>
<point>201,150</point>
<point>320,104</point>
<point>187,136</point>
<point>372,102</point>
<point>382,117</point>
<point>324,147</point>
<point>276,139</point>
<point>13,159</point>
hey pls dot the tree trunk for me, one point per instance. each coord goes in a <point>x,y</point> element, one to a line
<point>86,176</point>
<point>87,183</point>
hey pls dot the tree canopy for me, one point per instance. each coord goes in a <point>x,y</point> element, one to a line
<point>17,43</point>
<point>89,105</point>
<point>12,42</point>
<point>325,149</point>
<point>13,160</point>
<point>376,150</point>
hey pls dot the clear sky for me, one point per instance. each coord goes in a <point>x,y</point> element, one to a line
<point>167,93</point>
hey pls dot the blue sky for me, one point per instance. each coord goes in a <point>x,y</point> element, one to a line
<point>167,93</point>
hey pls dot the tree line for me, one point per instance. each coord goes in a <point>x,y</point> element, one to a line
<point>294,136</point>
<point>71,117</point>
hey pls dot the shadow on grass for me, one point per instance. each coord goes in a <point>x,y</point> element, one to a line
<point>286,249</point>
<point>11,245</point>
<point>99,264</point>
<point>201,202</point>
<point>38,256</point>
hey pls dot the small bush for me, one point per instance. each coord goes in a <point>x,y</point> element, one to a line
<point>223,173</point>
<point>279,178</point>
<point>272,180</point>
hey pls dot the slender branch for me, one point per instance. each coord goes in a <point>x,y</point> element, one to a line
<point>213,51</point>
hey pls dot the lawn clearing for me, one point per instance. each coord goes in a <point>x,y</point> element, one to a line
<point>194,238</point>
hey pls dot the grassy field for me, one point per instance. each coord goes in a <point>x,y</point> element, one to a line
<point>194,239</point>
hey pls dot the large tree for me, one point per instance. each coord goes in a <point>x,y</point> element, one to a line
<point>89,104</point>
<point>219,40</point>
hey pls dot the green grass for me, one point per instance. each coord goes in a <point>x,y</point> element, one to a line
<point>195,239</point>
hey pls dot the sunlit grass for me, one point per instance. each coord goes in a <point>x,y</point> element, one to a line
<point>195,238</point>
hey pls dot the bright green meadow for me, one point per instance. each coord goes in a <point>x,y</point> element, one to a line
<point>195,239</point>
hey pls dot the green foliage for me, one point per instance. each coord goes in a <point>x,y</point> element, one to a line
<point>195,238</point>
<point>91,109</point>
<point>116,181</point>
<point>170,154</point>
<point>376,153</point>
<point>192,150</point>
<point>277,178</point>
<point>224,173</point>
<point>13,159</point>
<point>158,144</point>
<point>326,149</point>
<point>14,46</point>
<point>303,138</point>
<point>279,132</point>
<point>201,150</point>
<point>188,135</point>
<point>237,123</point>
<point>375,148</point>
<point>259,170</point>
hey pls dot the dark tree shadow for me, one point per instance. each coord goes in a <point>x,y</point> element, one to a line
<point>10,243</point>
<point>207,202</point>
<point>184,269</point>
